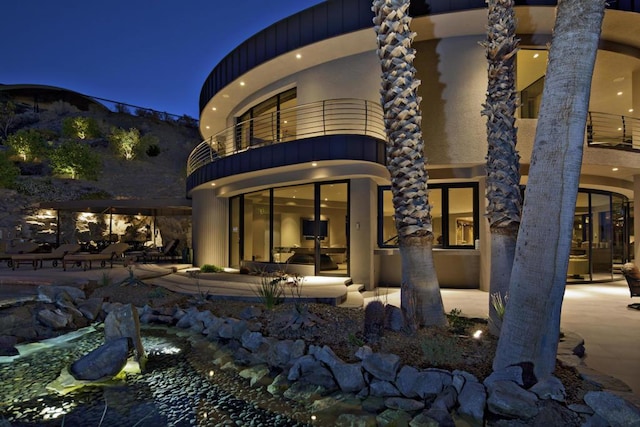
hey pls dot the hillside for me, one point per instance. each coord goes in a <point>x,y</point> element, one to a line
<point>157,176</point>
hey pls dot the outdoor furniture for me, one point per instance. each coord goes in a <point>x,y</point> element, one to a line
<point>111,253</point>
<point>36,259</point>
<point>632,274</point>
<point>167,253</point>
<point>19,248</point>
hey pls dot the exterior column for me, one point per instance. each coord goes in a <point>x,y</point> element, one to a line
<point>635,105</point>
<point>362,231</point>
<point>636,216</point>
<point>485,238</point>
<point>210,228</point>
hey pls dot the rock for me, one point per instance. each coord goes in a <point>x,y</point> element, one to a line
<point>612,408</point>
<point>509,399</point>
<point>279,385</point>
<point>383,389</point>
<point>440,416</point>
<point>91,308</point>
<point>252,340</point>
<point>325,354</point>
<point>406,380</point>
<point>185,321</point>
<point>53,293</point>
<point>353,420</point>
<point>124,322</point>
<point>304,393</point>
<point>103,362</point>
<point>393,417</point>
<point>553,413</point>
<point>383,366</point>
<point>447,399</point>
<point>373,404</point>
<point>301,366</point>
<point>472,399</point>
<point>232,328</point>
<point>54,319</point>
<point>431,382</point>
<point>510,373</point>
<point>404,404</point>
<point>348,376</point>
<point>549,388</point>
<point>282,353</point>
<point>256,374</point>
<point>250,312</point>
<point>363,352</point>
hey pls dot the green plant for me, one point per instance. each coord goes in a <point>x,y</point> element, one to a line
<point>105,280</point>
<point>457,323</point>
<point>129,144</point>
<point>209,268</point>
<point>153,150</point>
<point>80,127</point>
<point>271,291</point>
<point>441,350</point>
<point>28,144</point>
<point>8,171</point>
<point>499,303</point>
<point>201,296</point>
<point>355,340</point>
<point>75,158</point>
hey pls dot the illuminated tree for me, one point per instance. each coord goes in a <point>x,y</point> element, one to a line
<point>28,144</point>
<point>129,144</point>
<point>80,127</point>
<point>76,158</point>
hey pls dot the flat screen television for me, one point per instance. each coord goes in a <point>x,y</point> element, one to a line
<point>308,229</point>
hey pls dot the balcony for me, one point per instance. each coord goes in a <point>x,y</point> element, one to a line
<point>613,131</point>
<point>324,119</point>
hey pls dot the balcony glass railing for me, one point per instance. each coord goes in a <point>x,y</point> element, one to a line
<point>612,131</point>
<point>328,117</point>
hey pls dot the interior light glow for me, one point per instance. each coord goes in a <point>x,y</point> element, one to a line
<point>214,108</point>
<point>631,110</point>
<point>213,184</point>
<point>619,93</point>
<point>614,169</point>
<point>314,164</point>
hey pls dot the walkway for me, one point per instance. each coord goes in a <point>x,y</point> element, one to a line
<point>597,312</point>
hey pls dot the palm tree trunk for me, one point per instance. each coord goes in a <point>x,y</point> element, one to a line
<point>531,326</point>
<point>421,301</point>
<point>503,162</point>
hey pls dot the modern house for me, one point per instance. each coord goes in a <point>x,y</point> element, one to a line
<point>292,166</point>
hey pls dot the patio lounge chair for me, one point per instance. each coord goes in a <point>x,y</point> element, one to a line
<point>167,253</point>
<point>110,254</point>
<point>19,248</point>
<point>632,274</point>
<point>36,259</point>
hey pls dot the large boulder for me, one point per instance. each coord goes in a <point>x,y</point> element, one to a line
<point>104,362</point>
<point>122,321</point>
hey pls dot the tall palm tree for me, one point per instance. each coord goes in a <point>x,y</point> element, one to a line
<point>531,326</point>
<point>503,161</point>
<point>421,301</point>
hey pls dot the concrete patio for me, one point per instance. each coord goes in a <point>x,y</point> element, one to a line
<point>597,312</point>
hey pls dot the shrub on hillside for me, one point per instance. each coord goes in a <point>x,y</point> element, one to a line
<point>80,127</point>
<point>76,159</point>
<point>28,144</point>
<point>8,171</point>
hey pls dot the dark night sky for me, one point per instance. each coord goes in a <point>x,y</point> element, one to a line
<point>154,54</point>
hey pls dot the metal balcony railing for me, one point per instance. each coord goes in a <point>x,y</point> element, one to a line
<point>328,117</point>
<point>612,131</point>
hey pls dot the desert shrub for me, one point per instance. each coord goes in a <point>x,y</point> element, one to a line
<point>28,144</point>
<point>209,268</point>
<point>153,150</point>
<point>441,350</point>
<point>76,158</point>
<point>271,290</point>
<point>80,127</point>
<point>8,171</point>
<point>129,144</point>
<point>457,323</point>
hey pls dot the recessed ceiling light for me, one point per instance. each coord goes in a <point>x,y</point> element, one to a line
<point>241,83</point>
<point>614,169</point>
<point>631,110</point>
<point>618,79</point>
<point>214,108</point>
<point>314,164</point>
<point>619,128</point>
<point>213,184</point>
<point>208,127</point>
<point>225,95</point>
<point>535,55</point>
<point>298,56</point>
<point>619,93</point>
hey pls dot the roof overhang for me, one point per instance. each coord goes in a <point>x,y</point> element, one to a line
<point>147,207</point>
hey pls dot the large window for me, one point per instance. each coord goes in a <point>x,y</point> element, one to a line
<point>267,122</point>
<point>302,224</point>
<point>454,216</point>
